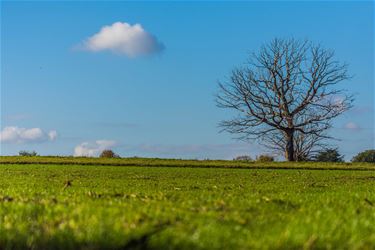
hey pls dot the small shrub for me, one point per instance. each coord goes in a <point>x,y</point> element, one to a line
<point>302,157</point>
<point>243,158</point>
<point>265,158</point>
<point>27,153</point>
<point>108,154</point>
<point>329,155</point>
<point>365,156</point>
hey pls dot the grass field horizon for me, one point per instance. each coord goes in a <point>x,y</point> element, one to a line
<point>165,162</point>
<point>72,206</point>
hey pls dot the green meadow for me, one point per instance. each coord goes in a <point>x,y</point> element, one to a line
<point>69,203</point>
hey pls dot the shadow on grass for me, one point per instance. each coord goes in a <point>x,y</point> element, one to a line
<point>148,240</point>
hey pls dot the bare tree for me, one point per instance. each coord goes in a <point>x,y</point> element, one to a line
<point>306,146</point>
<point>287,89</point>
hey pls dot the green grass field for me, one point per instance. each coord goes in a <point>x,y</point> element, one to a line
<point>215,206</point>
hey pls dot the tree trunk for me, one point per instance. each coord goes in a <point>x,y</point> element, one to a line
<point>289,149</point>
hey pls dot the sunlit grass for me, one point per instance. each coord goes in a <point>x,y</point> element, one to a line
<point>152,162</point>
<point>96,207</point>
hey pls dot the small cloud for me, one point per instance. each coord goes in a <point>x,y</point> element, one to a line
<point>52,135</point>
<point>18,135</point>
<point>352,126</point>
<point>125,39</point>
<point>338,100</point>
<point>93,149</point>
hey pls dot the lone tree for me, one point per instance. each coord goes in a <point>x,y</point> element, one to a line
<point>306,146</point>
<point>285,92</point>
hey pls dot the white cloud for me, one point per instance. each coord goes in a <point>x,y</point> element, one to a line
<point>352,126</point>
<point>52,135</point>
<point>18,135</point>
<point>124,38</point>
<point>93,149</point>
<point>338,100</point>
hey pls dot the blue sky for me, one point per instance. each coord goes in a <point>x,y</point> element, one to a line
<point>160,102</point>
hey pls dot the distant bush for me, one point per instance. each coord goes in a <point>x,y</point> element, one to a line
<point>329,155</point>
<point>108,154</point>
<point>302,157</point>
<point>265,158</point>
<point>27,153</point>
<point>365,156</point>
<point>243,158</point>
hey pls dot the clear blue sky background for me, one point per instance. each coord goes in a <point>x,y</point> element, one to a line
<point>163,105</point>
